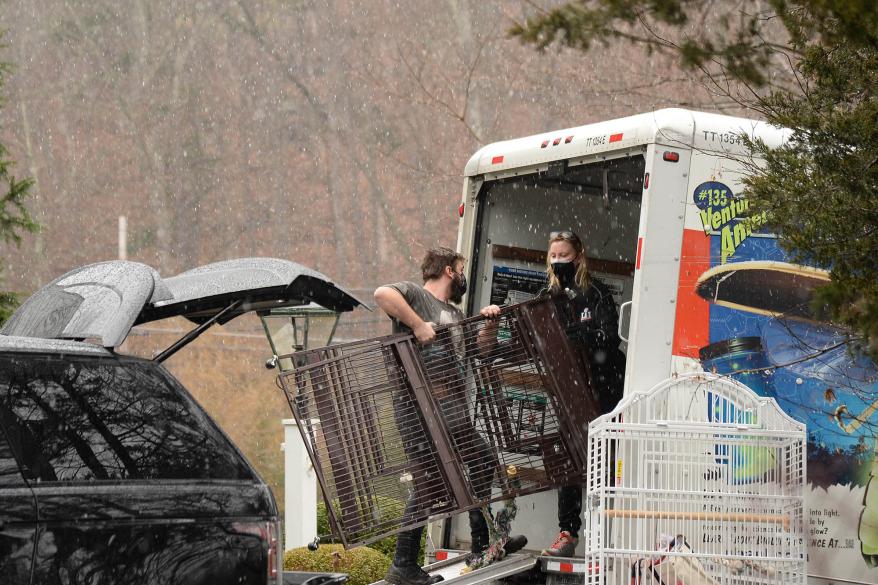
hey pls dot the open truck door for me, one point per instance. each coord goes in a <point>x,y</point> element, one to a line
<point>590,180</point>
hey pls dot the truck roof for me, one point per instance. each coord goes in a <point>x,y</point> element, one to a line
<point>670,127</point>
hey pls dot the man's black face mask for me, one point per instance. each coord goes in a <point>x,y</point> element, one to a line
<point>565,272</point>
<point>458,288</point>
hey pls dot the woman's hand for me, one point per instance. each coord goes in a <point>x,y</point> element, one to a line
<point>487,337</point>
<point>490,312</point>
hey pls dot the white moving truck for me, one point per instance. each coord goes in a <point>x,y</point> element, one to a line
<point>700,284</point>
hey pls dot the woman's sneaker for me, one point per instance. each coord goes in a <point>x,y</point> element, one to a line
<point>564,545</point>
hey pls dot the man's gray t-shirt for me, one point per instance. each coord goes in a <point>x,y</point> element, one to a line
<point>427,307</point>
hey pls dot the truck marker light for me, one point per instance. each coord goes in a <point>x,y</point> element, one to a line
<point>460,210</point>
<point>444,555</point>
<point>616,137</point>
<point>544,144</point>
<point>671,156</point>
<point>568,140</point>
<point>497,160</point>
<point>556,142</point>
<point>646,181</point>
<point>565,567</point>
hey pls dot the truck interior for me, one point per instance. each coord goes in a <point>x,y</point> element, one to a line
<point>598,198</point>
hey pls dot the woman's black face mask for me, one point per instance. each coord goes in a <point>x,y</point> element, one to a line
<point>565,272</point>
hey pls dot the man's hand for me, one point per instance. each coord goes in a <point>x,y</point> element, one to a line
<point>491,312</point>
<point>424,332</point>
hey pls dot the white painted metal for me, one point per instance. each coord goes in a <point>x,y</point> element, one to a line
<point>716,495</point>
<point>123,237</point>
<point>300,490</point>
<point>670,127</point>
<point>653,308</point>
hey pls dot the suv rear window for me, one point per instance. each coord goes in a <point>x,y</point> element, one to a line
<point>105,419</point>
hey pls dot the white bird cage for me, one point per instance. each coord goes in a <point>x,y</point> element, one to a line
<point>698,481</point>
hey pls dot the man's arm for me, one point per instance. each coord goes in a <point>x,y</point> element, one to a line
<point>394,304</point>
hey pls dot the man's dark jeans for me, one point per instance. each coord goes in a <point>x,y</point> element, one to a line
<point>480,464</point>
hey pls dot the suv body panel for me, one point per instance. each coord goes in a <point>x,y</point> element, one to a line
<point>261,283</point>
<point>96,520</point>
<point>153,532</point>
<point>103,301</point>
<point>99,301</point>
<point>18,518</point>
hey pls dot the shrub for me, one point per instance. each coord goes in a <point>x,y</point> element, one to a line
<point>363,564</point>
<point>386,545</point>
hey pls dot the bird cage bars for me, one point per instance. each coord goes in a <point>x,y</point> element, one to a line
<point>698,481</point>
<point>399,432</point>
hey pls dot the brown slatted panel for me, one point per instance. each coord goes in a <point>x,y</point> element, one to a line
<point>392,423</point>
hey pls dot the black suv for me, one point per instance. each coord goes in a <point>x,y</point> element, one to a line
<point>110,472</point>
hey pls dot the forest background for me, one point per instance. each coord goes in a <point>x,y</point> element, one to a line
<point>329,132</point>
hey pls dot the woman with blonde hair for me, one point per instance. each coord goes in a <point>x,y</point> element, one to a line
<point>594,331</point>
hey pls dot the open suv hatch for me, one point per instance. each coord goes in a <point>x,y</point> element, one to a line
<point>110,472</point>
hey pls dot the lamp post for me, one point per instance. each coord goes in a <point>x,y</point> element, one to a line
<point>293,329</point>
<point>289,330</point>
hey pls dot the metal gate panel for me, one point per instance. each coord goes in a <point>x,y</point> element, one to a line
<point>356,409</point>
<point>399,432</point>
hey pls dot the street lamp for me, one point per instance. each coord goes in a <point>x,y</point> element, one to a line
<point>292,329</point>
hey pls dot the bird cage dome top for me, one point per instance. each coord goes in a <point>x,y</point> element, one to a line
<point>701,398</point>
